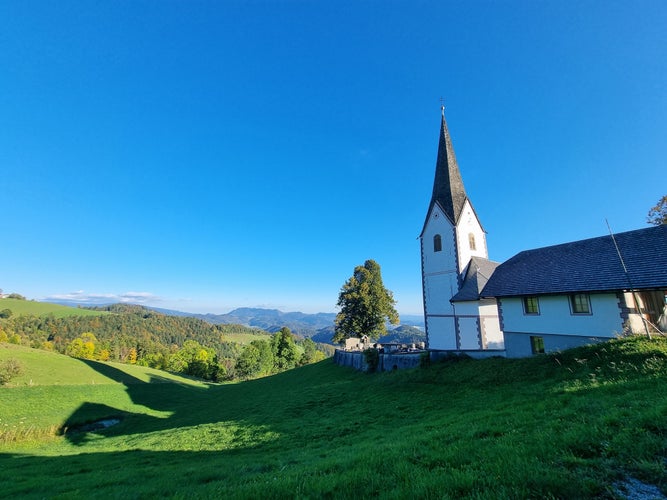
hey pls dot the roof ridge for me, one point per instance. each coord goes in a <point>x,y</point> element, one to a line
<point>588,240</point>
<point>589,265</point>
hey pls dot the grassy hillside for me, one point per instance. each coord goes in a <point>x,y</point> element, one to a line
<point>243,338</point>
<point>572,425</point>
<point>29,307</point>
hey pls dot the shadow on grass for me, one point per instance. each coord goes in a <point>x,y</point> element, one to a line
<point>263,430</point>
<point>169,404</point>
<point>159,394</point>
<point>132,474</point>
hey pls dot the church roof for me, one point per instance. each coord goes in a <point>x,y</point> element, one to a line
<point>590,265</point>
<point>448,190</point>
<point>477,275</point>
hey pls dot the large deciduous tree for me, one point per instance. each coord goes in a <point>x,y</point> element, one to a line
<point>195,359</point>
<point>365,305</point>
<point>658,214</point>
<point>284,350</point>
<point>256,360</point>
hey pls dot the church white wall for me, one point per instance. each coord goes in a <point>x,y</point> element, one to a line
<point>440,277</point>
<point>486,323</point>
<point>444,260</point>
<point>439,288</point>
<point>469,333</point>
<point>555,317</point>
<point>440,274</point>
<point>518,344</point>
<point>441,332</point>
<point>493,335</point>
<point>469,224</point>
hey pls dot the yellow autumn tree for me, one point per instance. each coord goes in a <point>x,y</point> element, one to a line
<point>82,347</point>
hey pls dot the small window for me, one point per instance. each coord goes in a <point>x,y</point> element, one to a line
<point>537,345</point>
<point>580,304</point>
<point>471,241</point>
<point>531,305</point>
<point>437,243</point>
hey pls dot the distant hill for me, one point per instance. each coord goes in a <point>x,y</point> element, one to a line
<point>324,335</point>
<point>30,307</point>
<point>273,320</point>
<point>404,334</point>
<point>317,326</point>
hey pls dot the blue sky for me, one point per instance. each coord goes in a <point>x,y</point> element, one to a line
<point>204,155</point>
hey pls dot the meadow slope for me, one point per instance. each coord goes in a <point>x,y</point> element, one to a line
<point>572,425</point>
<point>30,307</point>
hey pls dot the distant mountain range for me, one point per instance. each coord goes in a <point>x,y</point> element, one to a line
<point>319,326</point>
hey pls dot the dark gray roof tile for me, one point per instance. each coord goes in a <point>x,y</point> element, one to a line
<point>448,190</point>
<point>585,266</point>
<point>477,275</point>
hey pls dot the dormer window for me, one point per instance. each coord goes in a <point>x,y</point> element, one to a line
<point>471,241</point>
<point>437,243</point>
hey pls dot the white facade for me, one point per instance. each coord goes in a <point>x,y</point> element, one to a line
<point>470,237</point>
<point>555,316</point>
<point>479,324</point>
<point>558,328</point>
<point>446,253</point>
<point>440,277</point>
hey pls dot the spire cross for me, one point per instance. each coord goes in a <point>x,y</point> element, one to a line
<point>442,106</point>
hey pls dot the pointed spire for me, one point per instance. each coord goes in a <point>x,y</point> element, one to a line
<point>448,188</point>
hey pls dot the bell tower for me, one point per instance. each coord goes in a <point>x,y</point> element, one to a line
<point>451,238</point>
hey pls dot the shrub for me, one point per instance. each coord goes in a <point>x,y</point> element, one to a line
<point>9,369</point>
<point>425,359</point>
<point>372,357</point>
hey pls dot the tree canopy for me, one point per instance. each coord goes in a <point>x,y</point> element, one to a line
<point>658,214</point>
<point>365,305</point>
<point>136,335</point>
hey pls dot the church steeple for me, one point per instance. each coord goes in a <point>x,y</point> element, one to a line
<point>454,259</point>
<point>448,188</point>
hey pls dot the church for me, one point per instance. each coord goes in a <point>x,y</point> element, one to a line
<point>540,300</point>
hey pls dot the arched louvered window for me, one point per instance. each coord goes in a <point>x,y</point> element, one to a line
<point>471,241</point>
<point>437,243</point>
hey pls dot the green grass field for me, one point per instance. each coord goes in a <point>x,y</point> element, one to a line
<point>30,307</point>
<point>244,338</point>
<point>570,425</point>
